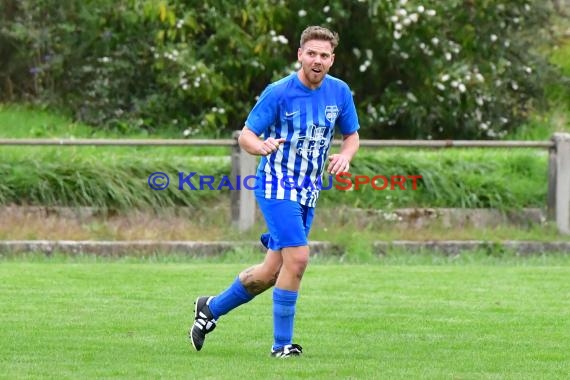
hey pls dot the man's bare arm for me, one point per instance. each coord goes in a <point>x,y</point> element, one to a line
<point>252,144</point>
<point>340,162</point>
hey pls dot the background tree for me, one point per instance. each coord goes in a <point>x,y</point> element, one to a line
<point>429,69</point>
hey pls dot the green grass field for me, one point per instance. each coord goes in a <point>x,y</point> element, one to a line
<point>403,318</point>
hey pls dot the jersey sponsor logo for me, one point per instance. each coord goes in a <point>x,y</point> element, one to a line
<point>313,143</point>
<point>331,113</point>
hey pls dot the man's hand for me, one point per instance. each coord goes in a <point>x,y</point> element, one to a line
<point>269,146</point>
<point>338,164</point>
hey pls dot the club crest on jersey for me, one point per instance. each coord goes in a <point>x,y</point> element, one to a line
<point>312,144</point>
<point>331,113</point>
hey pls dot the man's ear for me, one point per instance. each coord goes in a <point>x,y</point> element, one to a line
<point>299,54</point>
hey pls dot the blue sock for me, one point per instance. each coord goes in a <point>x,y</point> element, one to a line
<point>283,316</point>
<point>229,299</point>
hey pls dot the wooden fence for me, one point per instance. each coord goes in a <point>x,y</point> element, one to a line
<point>243,201</point>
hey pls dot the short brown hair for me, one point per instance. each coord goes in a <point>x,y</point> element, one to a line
<point>319,33</point>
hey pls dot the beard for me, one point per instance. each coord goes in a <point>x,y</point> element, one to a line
<point>315,77</point>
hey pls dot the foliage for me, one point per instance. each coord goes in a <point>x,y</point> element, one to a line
<point>559,92</point>
<point>429,69</point>
<point>453,69</point>
<point>105,183</point>
<point>487,178</point>
<point>465,179</point>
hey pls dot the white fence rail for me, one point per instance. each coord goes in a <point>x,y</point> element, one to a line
<point>243,202</point>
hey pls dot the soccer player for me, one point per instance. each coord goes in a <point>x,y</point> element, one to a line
<point>297,116</point>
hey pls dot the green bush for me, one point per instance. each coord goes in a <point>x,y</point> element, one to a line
<point>429,69</point>
<point>488,178</point>
<point>480,178</point>
<point>102,180</point>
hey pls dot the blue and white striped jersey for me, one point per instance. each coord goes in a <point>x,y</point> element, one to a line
<point>306,119</point>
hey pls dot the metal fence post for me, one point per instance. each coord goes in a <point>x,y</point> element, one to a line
<point>242,200</point>
<point>562,182</point>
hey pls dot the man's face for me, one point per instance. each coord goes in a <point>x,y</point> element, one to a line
<point>316,58</point>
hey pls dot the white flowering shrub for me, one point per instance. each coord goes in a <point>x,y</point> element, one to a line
<point>441,69</point>
<point>418,69</point>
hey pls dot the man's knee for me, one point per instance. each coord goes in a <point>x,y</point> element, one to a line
<point>301,262</point>
<point>297,261</point>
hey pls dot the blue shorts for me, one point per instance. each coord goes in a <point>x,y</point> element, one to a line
<point>288,222</point>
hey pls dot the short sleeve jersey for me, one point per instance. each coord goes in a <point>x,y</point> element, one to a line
<point>306,119</point>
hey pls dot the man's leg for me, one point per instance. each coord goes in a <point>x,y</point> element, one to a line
<point>245,287</point>
<point>261,277</point>
<point>289,224</point>
<point>248,284</point>
<point>285,293</point>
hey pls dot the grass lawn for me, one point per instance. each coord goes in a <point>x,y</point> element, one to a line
<point>473,319</point>
<point>21,121</point>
